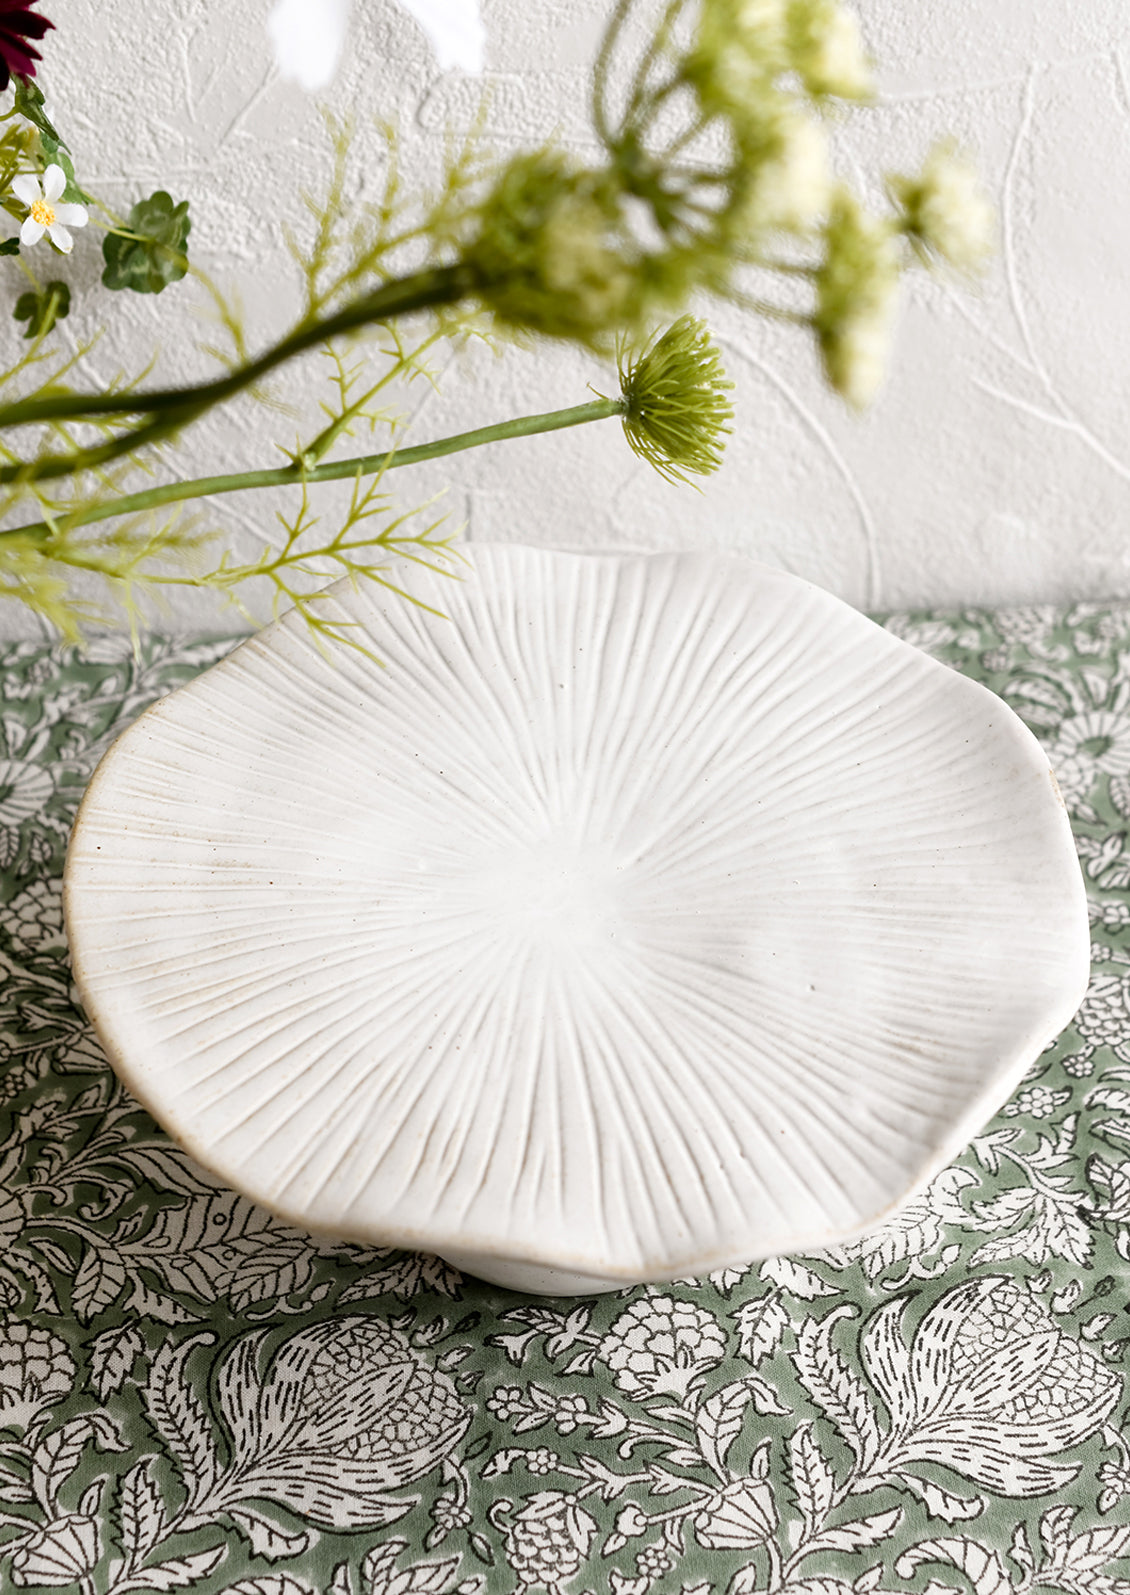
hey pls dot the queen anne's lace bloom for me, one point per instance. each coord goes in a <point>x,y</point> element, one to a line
<point>826,49</point>
<point>742,46</point>
<point>46,211</point>
<point>856,287</point>
<point>547,256</point>
<point>946,211</point>
<point>792,186</point>
<point>739,47</point>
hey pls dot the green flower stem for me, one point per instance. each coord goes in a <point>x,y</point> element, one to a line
<point>328,436</point>
<point>168,409</point>
<point>291,475</point>
<point>440,285</point>
<point>600,71</point>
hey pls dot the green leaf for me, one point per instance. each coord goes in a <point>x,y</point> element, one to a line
<point>55,152</point>
<point>29,103</point>
<point>10,246</point>
<point>42,309</point>
<point>158,256</point>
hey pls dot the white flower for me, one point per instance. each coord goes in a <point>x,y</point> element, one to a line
<point>758,28</point>
<point>793,189</point>
<point>46,214</point>
<point>739,46</point>
<point>855,357</point>
<point>308,36</point>
<point>761,17</point>
<point>856,288</point>
<point>827,50</point>
<point>947,210</point>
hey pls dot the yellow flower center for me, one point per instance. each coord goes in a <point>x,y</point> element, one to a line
<point>42,213</point>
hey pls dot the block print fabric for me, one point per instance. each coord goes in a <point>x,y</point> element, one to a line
<point>194,1396</point>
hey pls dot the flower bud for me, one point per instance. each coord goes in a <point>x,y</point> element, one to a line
<point>631,1521</point>
<point>550,256</point>
<point>675,406</point>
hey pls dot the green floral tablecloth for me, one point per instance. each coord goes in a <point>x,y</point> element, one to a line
<point>195,1396</point>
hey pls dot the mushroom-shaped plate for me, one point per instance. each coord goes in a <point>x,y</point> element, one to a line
<point>627,917</point>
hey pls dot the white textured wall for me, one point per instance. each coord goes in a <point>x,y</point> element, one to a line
<point>994,468</point>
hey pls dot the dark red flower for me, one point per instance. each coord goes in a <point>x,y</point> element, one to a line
<point>18,25</point>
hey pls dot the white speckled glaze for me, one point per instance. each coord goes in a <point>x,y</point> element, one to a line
<point>646,914</point>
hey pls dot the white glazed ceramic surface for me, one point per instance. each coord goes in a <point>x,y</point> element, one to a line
<point>643,915</point>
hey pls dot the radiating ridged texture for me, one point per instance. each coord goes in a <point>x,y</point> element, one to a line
<point>643,914</point>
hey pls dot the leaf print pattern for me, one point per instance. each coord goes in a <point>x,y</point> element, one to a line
<point>195,1396</point>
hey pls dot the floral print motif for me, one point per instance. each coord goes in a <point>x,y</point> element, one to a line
<point>989,1387</point>
<point>1037,1101</point>
<point>546,1539</point>
<point>34,919</point>
<point>64,1552</point>
<point>348,1412</point>
<point>24,789</point>
<point>1104,1018</point>
<point>196,1396</point>
<point>660,1346</point>
<point>36,1369</point>
<point>1086,746</point>
<point>740,1517</point>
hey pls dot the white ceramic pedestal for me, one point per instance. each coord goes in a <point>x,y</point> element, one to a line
<point>644,915</point>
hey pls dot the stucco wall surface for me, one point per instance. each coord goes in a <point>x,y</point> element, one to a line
<point>995,466</point>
